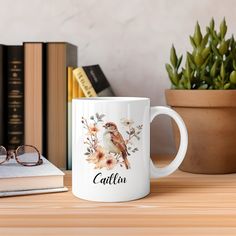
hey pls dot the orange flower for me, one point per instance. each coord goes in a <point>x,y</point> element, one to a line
<point>93,129</point>
<point>97,156</point>
<point>110,162</point>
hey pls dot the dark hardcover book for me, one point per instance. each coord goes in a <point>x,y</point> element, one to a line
<point>2,94</point>
<point>15,96</point>
<point>59,55</point>
<point>98,80</point>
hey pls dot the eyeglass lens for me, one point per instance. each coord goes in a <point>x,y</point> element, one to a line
<point>27,155</point>
<point>3,154</point>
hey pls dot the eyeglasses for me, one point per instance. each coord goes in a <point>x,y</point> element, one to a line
<point>26,155</point>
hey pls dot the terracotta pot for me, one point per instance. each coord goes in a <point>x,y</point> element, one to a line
<point>210,117</point>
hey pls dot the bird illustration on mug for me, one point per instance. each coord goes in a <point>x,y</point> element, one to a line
<point>105,145</point>
<point>115,143</point>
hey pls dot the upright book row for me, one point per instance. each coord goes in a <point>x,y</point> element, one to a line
<point>37,82</point>
<point>34,97</point>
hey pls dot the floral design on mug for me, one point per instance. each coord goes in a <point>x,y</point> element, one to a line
<point>112,148</point>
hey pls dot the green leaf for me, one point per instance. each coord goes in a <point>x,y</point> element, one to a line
<point>232,43</point>
<point>223,29</point>
<point>171,74</point>
<point>226,86</point>
<point>192,42</point>
<point>204,41</point>
<point>173,57</point>
<point>234,64</point>
<point>232,77</point>
<point>169,69</point>
<point>214,34</point>
<point>208,30</point>
<point>212,24</point>
<point>197,35</point>
<point>214,69</point>
<point>203,66</point>
<point>191,60</point>
<point>223,48</point>
<point>222,71</point>
<point>179,61</point>
<point>198,59</point>
<point>206,52</point>
<point>215,50</point>
<point>188,70</point>
<point>203,86</point>
<point>188,84</point>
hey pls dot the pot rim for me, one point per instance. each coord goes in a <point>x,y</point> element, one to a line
<point>200,98</point>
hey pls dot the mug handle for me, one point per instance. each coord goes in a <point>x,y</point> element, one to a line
<point>157,172</point>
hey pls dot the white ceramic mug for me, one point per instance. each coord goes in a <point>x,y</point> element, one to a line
<point>111,148</point>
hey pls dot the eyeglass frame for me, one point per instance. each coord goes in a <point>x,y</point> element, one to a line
<point>11,154</point>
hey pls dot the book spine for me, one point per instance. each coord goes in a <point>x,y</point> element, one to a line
<point>15,97</point>
<point>81,93</point>
<point>59,56</point>
<point>2,131</point>
<point>69,116</point>
<point>33,93</point>
<point>84,82</point>
<point>75,87</point>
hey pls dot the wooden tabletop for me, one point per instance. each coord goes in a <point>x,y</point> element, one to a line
<point>181,204</point>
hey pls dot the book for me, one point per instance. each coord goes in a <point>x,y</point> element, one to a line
<point>59,56</point>
<point>2,96</point>
<point>84,82</point>
<point>15,96</point>
<point>16,179</point>
<point>81,93</point>
<point>34,72</point>
<point>31,192</point>
<point>93,81</point>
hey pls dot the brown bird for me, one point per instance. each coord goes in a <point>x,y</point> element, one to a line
<point>114,142</point>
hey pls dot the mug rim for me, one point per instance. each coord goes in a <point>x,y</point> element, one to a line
<point>112,99</point>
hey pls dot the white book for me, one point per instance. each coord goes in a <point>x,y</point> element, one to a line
<point>16,179</point>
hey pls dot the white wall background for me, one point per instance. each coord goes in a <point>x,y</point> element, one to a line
<point>129,39</point>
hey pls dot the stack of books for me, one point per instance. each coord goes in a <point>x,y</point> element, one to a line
<point>37,83</point>
<point>23,180</point>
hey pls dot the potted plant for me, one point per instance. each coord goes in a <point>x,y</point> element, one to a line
<point>203,93</point>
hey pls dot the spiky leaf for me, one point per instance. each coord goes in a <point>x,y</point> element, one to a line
<point>223,48</point>
<point>223,29</point>
<point>179,61</point>
<point>173,57</point>
<point>171,74</point>
<point>192,42</point>
<point>197,35</point>
<point>222,71</point>
<point>204,41</point>
<point>206,52</point>
<point>212,24</point>
<point>213,70</point>
<point>198,59</point>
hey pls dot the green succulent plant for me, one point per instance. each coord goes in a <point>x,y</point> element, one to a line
<point>210,65</point>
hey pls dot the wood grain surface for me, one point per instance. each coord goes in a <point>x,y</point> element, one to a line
<point>181,204</point>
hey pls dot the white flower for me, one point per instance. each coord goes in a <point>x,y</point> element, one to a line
<point>127,122</point>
